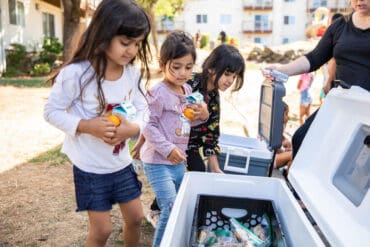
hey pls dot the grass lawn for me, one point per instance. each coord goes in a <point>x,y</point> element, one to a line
<point>34,82</point>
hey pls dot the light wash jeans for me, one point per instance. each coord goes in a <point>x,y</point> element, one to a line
<point>165,180</point>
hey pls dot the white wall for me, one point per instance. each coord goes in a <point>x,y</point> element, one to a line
<point>294,31</point>
<point>32,34</point>
<point>213,9</point>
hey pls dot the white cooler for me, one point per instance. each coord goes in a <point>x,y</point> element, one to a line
<point>331,174</point>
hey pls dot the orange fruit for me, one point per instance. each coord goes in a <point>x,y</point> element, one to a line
<point>189,113</point>
<point>115,120</point>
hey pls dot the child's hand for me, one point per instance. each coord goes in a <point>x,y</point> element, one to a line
<point>135,152</point>
<point>124,131</point>
<point>99,127</point>
<point>176,156</point>
<point>200,111</point>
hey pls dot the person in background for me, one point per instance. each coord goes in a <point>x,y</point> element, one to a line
<point>100,76</point>
<point>352,61</point>
<point>223,37</point>
<point>284,155</point>
<point>167,132</point>
<point>197,38</point>
<point>304,86</point>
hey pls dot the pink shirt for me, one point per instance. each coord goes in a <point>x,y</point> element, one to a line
<point>167,127</point>
<point>305,81</point>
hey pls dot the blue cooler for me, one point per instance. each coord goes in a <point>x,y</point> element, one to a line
<point>244,155</point>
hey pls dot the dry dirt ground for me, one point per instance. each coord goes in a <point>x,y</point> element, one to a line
<point>37,205</point>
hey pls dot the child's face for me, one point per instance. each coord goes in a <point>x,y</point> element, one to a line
<point>178,71</point>
<point>226,80</point>
<point>122,49</point>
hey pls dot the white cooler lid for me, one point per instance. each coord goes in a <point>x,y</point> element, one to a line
<point>331,171</point>
<point>233,144</point>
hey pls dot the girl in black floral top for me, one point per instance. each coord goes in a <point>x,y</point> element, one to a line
<point>221,69</point>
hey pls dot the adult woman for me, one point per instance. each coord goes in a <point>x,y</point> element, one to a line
<point>348,41</point>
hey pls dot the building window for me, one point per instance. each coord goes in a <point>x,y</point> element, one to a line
<point>289,20</point>
<point>288,0</point>
<point>202,19</point>
<point>225,19</point>
<point>319,3</point>
<point>261,22</point>
<point>257,40</point>
<point>285,40</point>
<point>48,25</point>
<point>16,13</point>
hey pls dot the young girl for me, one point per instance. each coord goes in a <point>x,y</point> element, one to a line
<point>100,76</point>
<point>221,69</point>
<point>167,131</point>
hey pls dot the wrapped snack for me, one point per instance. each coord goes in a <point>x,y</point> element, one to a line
<point>243,234</point>
<point>206,237</point>
<point>263,230</point>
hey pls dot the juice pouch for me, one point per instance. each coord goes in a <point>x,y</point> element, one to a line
<point>195,97</point>
<point>125,109</point>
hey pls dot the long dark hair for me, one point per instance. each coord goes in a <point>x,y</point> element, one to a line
<point>224,58</point>
<point>112,18</point>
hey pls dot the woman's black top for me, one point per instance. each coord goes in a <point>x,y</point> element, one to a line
<point>350,46</point>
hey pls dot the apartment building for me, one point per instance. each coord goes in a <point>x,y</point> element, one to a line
<point>28,21</point>
<point>269,22</point>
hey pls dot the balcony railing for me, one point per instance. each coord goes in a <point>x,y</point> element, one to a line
<point>56,3</point>
<point>257,27</point>
<point>332,5</point>
<point>257,4</point>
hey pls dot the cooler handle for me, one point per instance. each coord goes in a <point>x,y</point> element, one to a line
<point>244,169</point>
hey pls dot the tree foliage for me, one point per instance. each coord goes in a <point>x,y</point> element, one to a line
<point>169,8</point>
<point>160,8</point>
<point>154,8</point>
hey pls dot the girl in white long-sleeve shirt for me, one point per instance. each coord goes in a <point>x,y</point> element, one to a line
<point>100,76</point>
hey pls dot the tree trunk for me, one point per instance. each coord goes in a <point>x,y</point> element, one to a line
<point>70,27</point>
<point>154,29</point>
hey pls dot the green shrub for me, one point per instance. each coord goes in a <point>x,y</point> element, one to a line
<point>52,48</point>
<point>17,62</point>
<point>204,40</point>
<point>41,69</point>
<point>52,45</point>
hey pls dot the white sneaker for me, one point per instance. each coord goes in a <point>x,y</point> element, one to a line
<point>152,217</point>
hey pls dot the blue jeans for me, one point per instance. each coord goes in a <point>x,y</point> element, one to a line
<point>165,180</point>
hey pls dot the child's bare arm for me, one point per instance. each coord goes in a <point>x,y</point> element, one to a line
<point>135,152</point>
<point>213,164</point>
